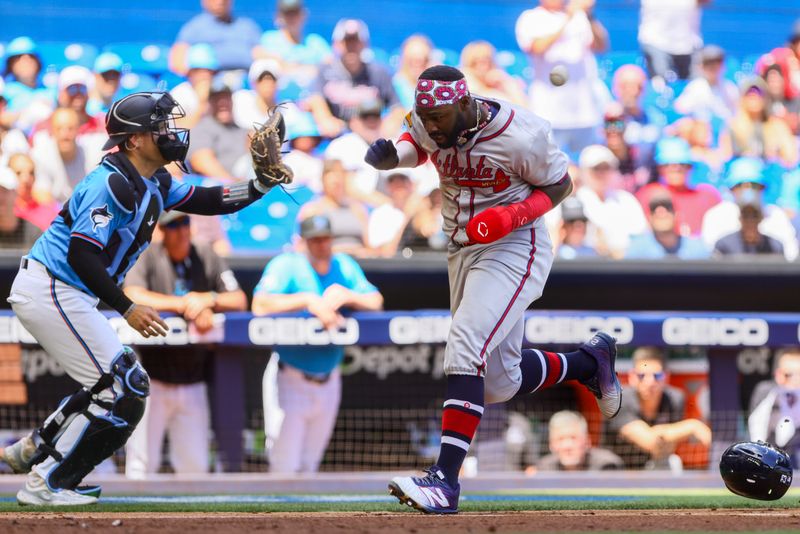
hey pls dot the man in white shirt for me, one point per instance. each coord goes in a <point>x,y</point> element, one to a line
<point>192,94</point>
<point>561,33</point>
<point>387,222</point>
<point>710,94</point>
<point>669,33</point>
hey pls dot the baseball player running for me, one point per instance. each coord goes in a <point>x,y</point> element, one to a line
<point>499,172</point>
<point>82,259</point>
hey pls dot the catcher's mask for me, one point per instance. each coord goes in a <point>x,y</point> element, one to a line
<point>154,112</point>
<point>756,470</point>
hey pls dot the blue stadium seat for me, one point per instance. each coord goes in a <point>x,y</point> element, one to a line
<point>267,225</point>
<point>169,80</point>
<point>378,55</point>
<point>448,56</point>
<point>133,82</point>
<point>145,57</point>
<point>515,62</point>
<point>608,63</point>
<point>57,55</point>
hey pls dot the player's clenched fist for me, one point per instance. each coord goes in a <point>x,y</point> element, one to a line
<point>382,155</point>
<point>146,321</point>
<point>490,225</point>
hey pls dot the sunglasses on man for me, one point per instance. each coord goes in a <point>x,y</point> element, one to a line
<point>658,377</point>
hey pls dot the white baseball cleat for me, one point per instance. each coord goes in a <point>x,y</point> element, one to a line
<point>18,456</point>
<point>36,493</point>
<point>604,384</point>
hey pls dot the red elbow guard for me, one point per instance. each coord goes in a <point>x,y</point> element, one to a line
<point>494,223</point>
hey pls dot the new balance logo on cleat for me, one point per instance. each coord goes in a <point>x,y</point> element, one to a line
<point>436,496</point>
<point>430,494</point>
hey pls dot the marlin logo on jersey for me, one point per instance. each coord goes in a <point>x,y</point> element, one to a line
<point>478,175</point>
<point>100,217</point>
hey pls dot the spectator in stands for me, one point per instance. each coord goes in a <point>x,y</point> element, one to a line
<point>774,407</point>
<point>190,280</point>
<point>755,132</point>
<point>425,228</point>
<point>304,139</point>
<point>342,85</point>
<point>571,448</point>
<point>793,44</point>
<point>299,53</point>
<point>317,280</point>
<point>61,162</point>
<point>651,422</point>
<point>107,78</point>
<point>628,88</point>
<point>669,33</point>
<point>415,57</point>
<point>350,148</point>
<point>74,84</point>
<point>12,140</point>
<point>485,78</point>
<point>783,104</point>
<point>15,233</point>
<point>234,39</point>
<point>614,214</point>
<point>28,206</point>
<point>348,217</point>
<point>558,32</point>
<point>28,100</point>
<point>633,150</point>
<point>699,133</point>
<point>572,232</point>
<point>746,177</point>
<point>710,94</point>
<point>387,223</point>
<point>217,142</point>
<point>748,239</point>
<point>192,95</point>
<point>252,105</point>
<point>674,164</point>
<point>663,241</point>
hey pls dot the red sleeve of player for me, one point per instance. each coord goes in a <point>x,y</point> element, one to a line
<point>422,157</point>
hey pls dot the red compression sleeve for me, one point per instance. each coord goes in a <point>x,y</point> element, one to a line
<point>494,223</point>
<point>529,209</point>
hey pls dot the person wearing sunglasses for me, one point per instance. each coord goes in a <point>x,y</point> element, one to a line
<point>651,422</point>
<point>775,405</point>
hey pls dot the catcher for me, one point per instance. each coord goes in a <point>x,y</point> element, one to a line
<point>82,259</point>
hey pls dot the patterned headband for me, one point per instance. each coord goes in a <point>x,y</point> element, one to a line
<point>435,93</point>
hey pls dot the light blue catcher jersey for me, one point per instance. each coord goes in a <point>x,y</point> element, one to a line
<point>113,208</point>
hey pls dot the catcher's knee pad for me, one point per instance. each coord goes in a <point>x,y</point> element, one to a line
<point>104,433</point>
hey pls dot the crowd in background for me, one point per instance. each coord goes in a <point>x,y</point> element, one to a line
<point>677,150</point>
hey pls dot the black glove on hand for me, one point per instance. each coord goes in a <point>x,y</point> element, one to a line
<point>382,155</point>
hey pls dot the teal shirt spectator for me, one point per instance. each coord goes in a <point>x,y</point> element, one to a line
<point>232,41</point>
<point>313,50</point>
<point>292,273</point>
<point>646,247</point>
<point>405,91</point>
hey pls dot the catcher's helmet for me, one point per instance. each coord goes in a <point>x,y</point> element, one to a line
<point>149,112</point>
<point>756,470</point>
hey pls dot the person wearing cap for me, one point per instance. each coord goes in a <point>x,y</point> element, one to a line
<point>192,95</point>
<point>748,239</point>
<point>348,81</point>
<point>61,160</point>
<point>252,105</point>
<point>327,285</point>
<point>217,142</point>
<point>673,158</point>
<point>614,214</point>
<point>754,131</point>
<point>662,240</point>
<point>32,204</point>
<point>710,94</point>
<point>29,101</point>
<point>299,53</point>
<point>669,34</point>
<point>365,129</point>
<point>746,176</point>
<point>304,138</point>
<point>180,276</point>
<point>566,33</point>
<point>107,77</point>
<point>387,223</point>
<point>348,215</point>
<point>572,232</point>
<point>15,233</point>
<point>234,39</point>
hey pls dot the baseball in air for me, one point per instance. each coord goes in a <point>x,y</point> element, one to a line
<point>558,76</point>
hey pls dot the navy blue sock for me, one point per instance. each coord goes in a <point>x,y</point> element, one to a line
<point>463,408</point>
<point>542,369</point>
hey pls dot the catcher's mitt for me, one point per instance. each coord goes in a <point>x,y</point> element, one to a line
<point>265,149</point>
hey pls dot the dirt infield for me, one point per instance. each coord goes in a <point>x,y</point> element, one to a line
<point>727,520</point>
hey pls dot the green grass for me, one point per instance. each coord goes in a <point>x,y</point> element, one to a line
<point>649,502</point>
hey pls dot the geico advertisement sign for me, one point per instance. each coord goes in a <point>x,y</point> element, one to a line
<point>180,332</point>
<point>558,329</point>
<point>407,330</point>
<point>709,331</point>
<point>300,331</point>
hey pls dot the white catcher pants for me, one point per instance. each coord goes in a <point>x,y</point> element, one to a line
<point>66,323</point>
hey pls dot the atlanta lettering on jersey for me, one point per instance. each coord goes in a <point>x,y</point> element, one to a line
<point>480,175</point>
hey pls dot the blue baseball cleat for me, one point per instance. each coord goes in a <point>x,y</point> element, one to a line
<point>604,384</point>
<point>430,494</point>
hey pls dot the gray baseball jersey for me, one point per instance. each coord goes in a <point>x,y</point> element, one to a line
<point>491,285</point>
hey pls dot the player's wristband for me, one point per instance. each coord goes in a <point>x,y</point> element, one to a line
<point>129,311</point>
